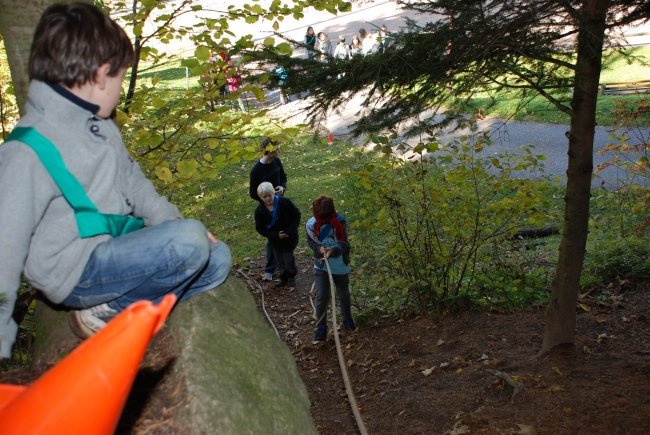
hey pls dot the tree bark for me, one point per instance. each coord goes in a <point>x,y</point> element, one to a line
<point>18,21</point>
<point>561,311</point>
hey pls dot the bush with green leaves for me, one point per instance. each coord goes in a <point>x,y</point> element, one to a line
<point>623,205</point>
<point>440,217</point>
<point>623,258</point>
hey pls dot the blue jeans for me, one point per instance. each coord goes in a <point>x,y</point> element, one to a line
<point>342,283</point>
<point>175,256</point>
<point>270,259</point>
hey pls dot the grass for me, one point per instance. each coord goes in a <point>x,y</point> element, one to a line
<point>616,68</point>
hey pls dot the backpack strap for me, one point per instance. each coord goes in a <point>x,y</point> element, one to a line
<point>89,220</point>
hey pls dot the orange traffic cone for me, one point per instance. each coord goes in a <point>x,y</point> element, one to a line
<point>330,139</point>
<point>86,391</point>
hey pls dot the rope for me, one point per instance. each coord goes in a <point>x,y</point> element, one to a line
<point>344,370</point>
<point>242,273</point>
<point>339,351</point>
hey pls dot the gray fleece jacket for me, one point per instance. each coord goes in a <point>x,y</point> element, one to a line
<point>38,231</point>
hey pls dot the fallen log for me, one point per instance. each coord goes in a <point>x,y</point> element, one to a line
<point>535,233</point>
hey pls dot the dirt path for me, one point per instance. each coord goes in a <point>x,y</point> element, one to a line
<point>602,386</point>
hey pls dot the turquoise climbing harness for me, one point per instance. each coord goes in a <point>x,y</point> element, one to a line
<point>89,220</point>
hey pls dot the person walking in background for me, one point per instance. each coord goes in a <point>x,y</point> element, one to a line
<point>268,168</point>
<point>277,219</point>
<point>283,75</point>
<point>233,81</point>
<point>342,51</point>
<point>355,46</point>
<point>386,39</point>
<point>368,43</point>
<point>362,35</point>
<point>310,41</point>
<point>323,45</point>
<point>328,238</point>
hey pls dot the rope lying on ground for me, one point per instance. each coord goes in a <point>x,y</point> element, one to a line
<point>339,351</point>
<point>344,370</point>
<point>249,279</point>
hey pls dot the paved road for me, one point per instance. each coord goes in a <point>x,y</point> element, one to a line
<point>549,139</point>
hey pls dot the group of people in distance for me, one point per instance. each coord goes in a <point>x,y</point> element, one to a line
<point>277,219</point>
<point>362,43</point>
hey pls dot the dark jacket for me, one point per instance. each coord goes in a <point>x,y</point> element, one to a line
<point>288,219</point>
<point>272,172</point>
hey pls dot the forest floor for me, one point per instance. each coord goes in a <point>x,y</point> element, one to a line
<point>425,376</point>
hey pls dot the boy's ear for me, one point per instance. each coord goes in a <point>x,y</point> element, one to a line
<point>101,74</point>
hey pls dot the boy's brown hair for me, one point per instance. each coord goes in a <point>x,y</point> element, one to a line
<point>266,142</point>
<point>72,41</point>
<point>323,206</point>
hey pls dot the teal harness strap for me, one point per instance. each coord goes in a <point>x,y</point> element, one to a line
<point>89,220</point>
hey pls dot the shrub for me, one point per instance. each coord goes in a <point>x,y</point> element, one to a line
<point>625,258</point>
<point>431,217</point>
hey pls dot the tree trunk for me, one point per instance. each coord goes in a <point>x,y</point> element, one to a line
<point>561,311</point>
<point>17,23</point>
<point>134,67</point>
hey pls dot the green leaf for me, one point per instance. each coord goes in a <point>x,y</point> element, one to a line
<point>158,103</point>
<point>276,26</point>
<point>207,157</point>
<point>269,42</point>
<point>202,53</point>
<point>187,168</point>
<point>252,19</point>
<point>284,48</point>
<point>344,6</point>
<point>164,174</point>
<point>259,94</point>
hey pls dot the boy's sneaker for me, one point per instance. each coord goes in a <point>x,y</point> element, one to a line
<point>321,334</point>
<point>292,283</point>
<point>85,323</point>
<point>267,277</point>
<point>349,325</point>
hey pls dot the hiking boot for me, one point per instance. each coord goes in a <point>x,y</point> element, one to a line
<point>321,334</point>
<point>292,283</point>
<point>267,277</point>
<point>349,325</point>
<point>282,283</point>
<point>85,323</point>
